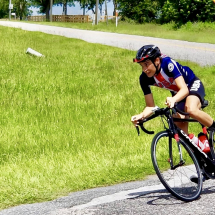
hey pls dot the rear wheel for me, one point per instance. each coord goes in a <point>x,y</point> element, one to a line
<point>176,177</point>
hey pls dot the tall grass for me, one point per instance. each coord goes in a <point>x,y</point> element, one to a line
<point>193,32</point>
<point>65,118</point>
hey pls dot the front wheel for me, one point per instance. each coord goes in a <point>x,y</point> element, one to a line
<point>175,164</point>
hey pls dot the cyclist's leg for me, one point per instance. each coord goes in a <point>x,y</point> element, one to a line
<point>181,106</point>
<point>193,106</point>
<point>194,102</point>
<point>182,125</point>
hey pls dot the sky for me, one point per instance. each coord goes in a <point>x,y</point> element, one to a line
<point>57,10</point>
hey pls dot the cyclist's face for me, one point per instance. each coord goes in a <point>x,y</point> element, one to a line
<point>148,68</point>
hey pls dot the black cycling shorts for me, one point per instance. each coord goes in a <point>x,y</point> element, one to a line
<point>196,89</point>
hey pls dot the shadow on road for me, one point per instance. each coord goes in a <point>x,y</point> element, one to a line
<point>163,197</point>
<point>158,197</point>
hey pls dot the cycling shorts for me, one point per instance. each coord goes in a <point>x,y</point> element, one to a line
<point>196,89</point>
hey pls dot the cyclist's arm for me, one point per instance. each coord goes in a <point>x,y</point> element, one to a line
<point>147,110</point>
<point>149,100</point>
<point>180,95</point>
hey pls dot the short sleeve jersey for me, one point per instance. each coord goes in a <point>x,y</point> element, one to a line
<point>169,71</point>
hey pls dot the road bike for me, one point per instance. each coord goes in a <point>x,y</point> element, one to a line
<point>176,158</point>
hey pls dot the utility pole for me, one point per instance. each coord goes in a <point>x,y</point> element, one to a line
<point>97,6</point>
<point>10,7</point>
<point>50,11</point>
<point>106,14</point>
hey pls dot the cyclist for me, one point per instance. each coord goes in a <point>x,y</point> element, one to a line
<point>186,89</point>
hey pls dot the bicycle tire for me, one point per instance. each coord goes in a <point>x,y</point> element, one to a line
<point>176,181</point>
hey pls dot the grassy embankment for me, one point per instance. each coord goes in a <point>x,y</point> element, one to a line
<point>65,118</point>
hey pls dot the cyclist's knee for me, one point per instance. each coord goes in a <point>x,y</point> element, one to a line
<point>193,111</point>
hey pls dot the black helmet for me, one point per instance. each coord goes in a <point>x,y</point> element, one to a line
<point>147,52</point>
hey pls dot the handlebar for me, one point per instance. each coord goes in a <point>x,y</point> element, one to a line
<point>158,111</point>
<point>162,111</point>
<point>143,129</point>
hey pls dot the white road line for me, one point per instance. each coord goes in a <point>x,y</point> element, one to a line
<point>137,192</point>
<point>120,196</point>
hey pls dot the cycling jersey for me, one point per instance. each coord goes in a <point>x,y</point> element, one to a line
<point>169,71</point>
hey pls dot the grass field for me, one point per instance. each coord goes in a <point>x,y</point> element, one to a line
<point>65,118</point>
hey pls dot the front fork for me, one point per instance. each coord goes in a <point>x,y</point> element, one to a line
<point>173,133</point>
<point>181,162</point>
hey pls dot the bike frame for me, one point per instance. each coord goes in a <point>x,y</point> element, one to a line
<point>205,160</point>
<point>209,160</point>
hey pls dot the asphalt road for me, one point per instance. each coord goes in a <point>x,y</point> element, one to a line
<point>146,197</point>
<point>201,53</point>
<point>140,197</point>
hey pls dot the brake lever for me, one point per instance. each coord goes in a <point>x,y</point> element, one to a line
<point>138,130</point>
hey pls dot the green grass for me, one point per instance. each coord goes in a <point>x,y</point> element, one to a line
<point>65,118</point>
<point>194,32</point>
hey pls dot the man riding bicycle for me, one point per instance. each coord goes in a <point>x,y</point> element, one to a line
<point>187,90</point>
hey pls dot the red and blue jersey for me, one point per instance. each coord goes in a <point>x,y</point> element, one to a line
<point>169,71</point>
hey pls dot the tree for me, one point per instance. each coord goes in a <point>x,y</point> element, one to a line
<point>65,3</point>
<point>115,5</point>
<point>83,4</point>
<point>164,11</point>
<point>182,11</point>
<point>4,9</point>
<point>44,5</point>
<point>140,11</point>
<point>89,5</point>
<point>20,7</point>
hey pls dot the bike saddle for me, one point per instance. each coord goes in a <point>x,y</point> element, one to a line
<point>205,104</point>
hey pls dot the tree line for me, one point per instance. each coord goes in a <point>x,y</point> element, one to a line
<point>140,11</point>
<point>21,7</point>
<point>165,11</point>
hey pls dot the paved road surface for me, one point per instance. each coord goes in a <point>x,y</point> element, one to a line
<point>146,197</point>
<point>140,197</point>
<point>201,53</point>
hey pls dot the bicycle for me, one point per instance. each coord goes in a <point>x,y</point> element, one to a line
<point>176,158</point>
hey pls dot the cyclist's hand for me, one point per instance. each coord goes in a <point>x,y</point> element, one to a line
<point>135,119</point>
<point>170,102</point>
<point>146,113</point>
